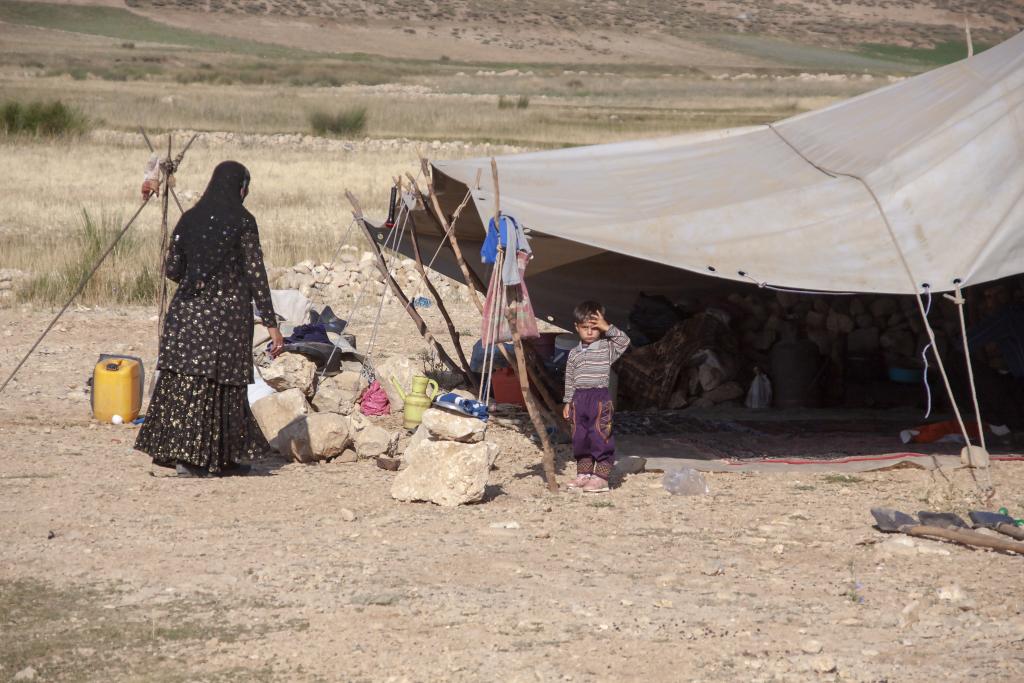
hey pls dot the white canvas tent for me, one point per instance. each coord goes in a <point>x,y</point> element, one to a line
<point>921,182</point>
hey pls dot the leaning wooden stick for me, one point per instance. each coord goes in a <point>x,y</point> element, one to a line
<point>520,366</point>
<point>421,325</point>
<point>452,332</point>
<point>78,290</point>
<point>168,175</point>
<point>452,240</point>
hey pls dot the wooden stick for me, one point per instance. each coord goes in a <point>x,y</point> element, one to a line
<point>421,325</point>
<point>163,244</point>
<point>473,282</point>
<point>520,366</point>
<point>452,332</point>
<point>452,239</point>
<point>78,290</point>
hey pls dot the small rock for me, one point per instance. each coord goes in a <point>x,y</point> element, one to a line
<point>811,647</point>
<point>26,674</point>
<point>951,593</point>
<point>347,456</point>
<point>290,371</point>
<point>347,515</point>
<point>372,441</point>
<point>631,464</point>
<point>448,426</point>
<point>778,549</point>
<point>504,525</point>
<point>897,545</point>
<point>823,664</point>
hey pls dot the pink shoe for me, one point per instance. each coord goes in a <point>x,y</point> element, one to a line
<point>595,485</point>
<point>578,482</point>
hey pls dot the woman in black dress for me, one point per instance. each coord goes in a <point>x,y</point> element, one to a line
<point>199,419</point>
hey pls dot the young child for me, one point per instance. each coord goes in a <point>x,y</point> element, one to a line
<point>588,405</point>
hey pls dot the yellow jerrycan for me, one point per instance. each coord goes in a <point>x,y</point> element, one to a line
<point>117,383</point>
<point>417,400</point>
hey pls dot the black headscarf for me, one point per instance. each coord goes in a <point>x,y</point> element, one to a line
<point>210,231</point>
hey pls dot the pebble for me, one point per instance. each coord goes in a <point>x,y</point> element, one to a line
<point>26,674</point>
<point>347,515</point>
<point>504,525</point>
<point>824,664</point>
<point>811,647</point>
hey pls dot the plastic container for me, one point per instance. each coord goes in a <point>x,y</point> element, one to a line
<point>685,482</point>
<point>117,388</point>
<point>505,387</point>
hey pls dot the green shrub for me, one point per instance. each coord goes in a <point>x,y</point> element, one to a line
<point>41,119</point>
<point>521,102</point>
<point>346,122</point>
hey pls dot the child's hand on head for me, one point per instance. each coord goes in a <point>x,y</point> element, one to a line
<point>598,321</point>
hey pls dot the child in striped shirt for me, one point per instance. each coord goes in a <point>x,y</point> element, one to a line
<point>588,405</point>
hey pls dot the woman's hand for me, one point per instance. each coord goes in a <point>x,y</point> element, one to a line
<point>276,342</point>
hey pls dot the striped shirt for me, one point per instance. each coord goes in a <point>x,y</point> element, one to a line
<point>588,366</point>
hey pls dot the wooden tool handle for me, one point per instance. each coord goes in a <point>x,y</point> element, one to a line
<point>971,538</point>
<point>1011,531</point>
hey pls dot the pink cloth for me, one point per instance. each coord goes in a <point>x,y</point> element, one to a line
<point>375,400</point>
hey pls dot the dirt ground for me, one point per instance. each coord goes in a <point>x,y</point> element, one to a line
<point>111,570</point>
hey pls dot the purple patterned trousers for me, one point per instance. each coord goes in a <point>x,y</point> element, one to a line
<point>590,420</point>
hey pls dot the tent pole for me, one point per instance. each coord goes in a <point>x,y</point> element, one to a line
<point>454,242</point>
<point>520,366</point>
<point>452,332</point>
<point>472,281</point>
<point>421,325</point>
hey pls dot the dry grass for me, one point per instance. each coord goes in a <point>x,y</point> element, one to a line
<point>297,197</point>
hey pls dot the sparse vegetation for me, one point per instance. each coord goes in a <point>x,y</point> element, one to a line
<point>41,119</point>
<point>347,122</point>
<point>521,102</point>
<point>130,274</point>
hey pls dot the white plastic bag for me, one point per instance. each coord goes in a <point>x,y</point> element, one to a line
<point>258,389</point>
<point>759,397</point>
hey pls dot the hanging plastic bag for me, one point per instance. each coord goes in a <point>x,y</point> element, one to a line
<point>518,299</point>
<point>759,397</point>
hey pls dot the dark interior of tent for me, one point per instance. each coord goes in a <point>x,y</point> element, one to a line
<point>723,369</point>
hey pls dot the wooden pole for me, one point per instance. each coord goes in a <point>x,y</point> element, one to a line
<point>453,240</point>
<point>452,332</point>
<point>548,460</point>
<point>421,325</point>
<point>472,281</point>
<point>163,243</point>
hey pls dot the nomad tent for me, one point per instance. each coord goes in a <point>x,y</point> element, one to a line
<point>916,186</point>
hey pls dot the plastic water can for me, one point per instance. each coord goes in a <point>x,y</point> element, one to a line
<point>117,388</point>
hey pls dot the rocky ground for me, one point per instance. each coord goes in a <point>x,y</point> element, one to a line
<point>111,570</point>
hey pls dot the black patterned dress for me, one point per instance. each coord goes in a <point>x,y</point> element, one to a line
<point>199,414</point>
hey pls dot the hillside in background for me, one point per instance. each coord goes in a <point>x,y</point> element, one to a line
<point>614,28</point>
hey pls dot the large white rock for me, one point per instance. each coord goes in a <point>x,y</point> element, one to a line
<point>319,436</point>
<point>400,369</point>
<point>446,425</point>
<point>338,394</point>
<point>290,371</point>
<point>275,412</point>
<point>446,473</point>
